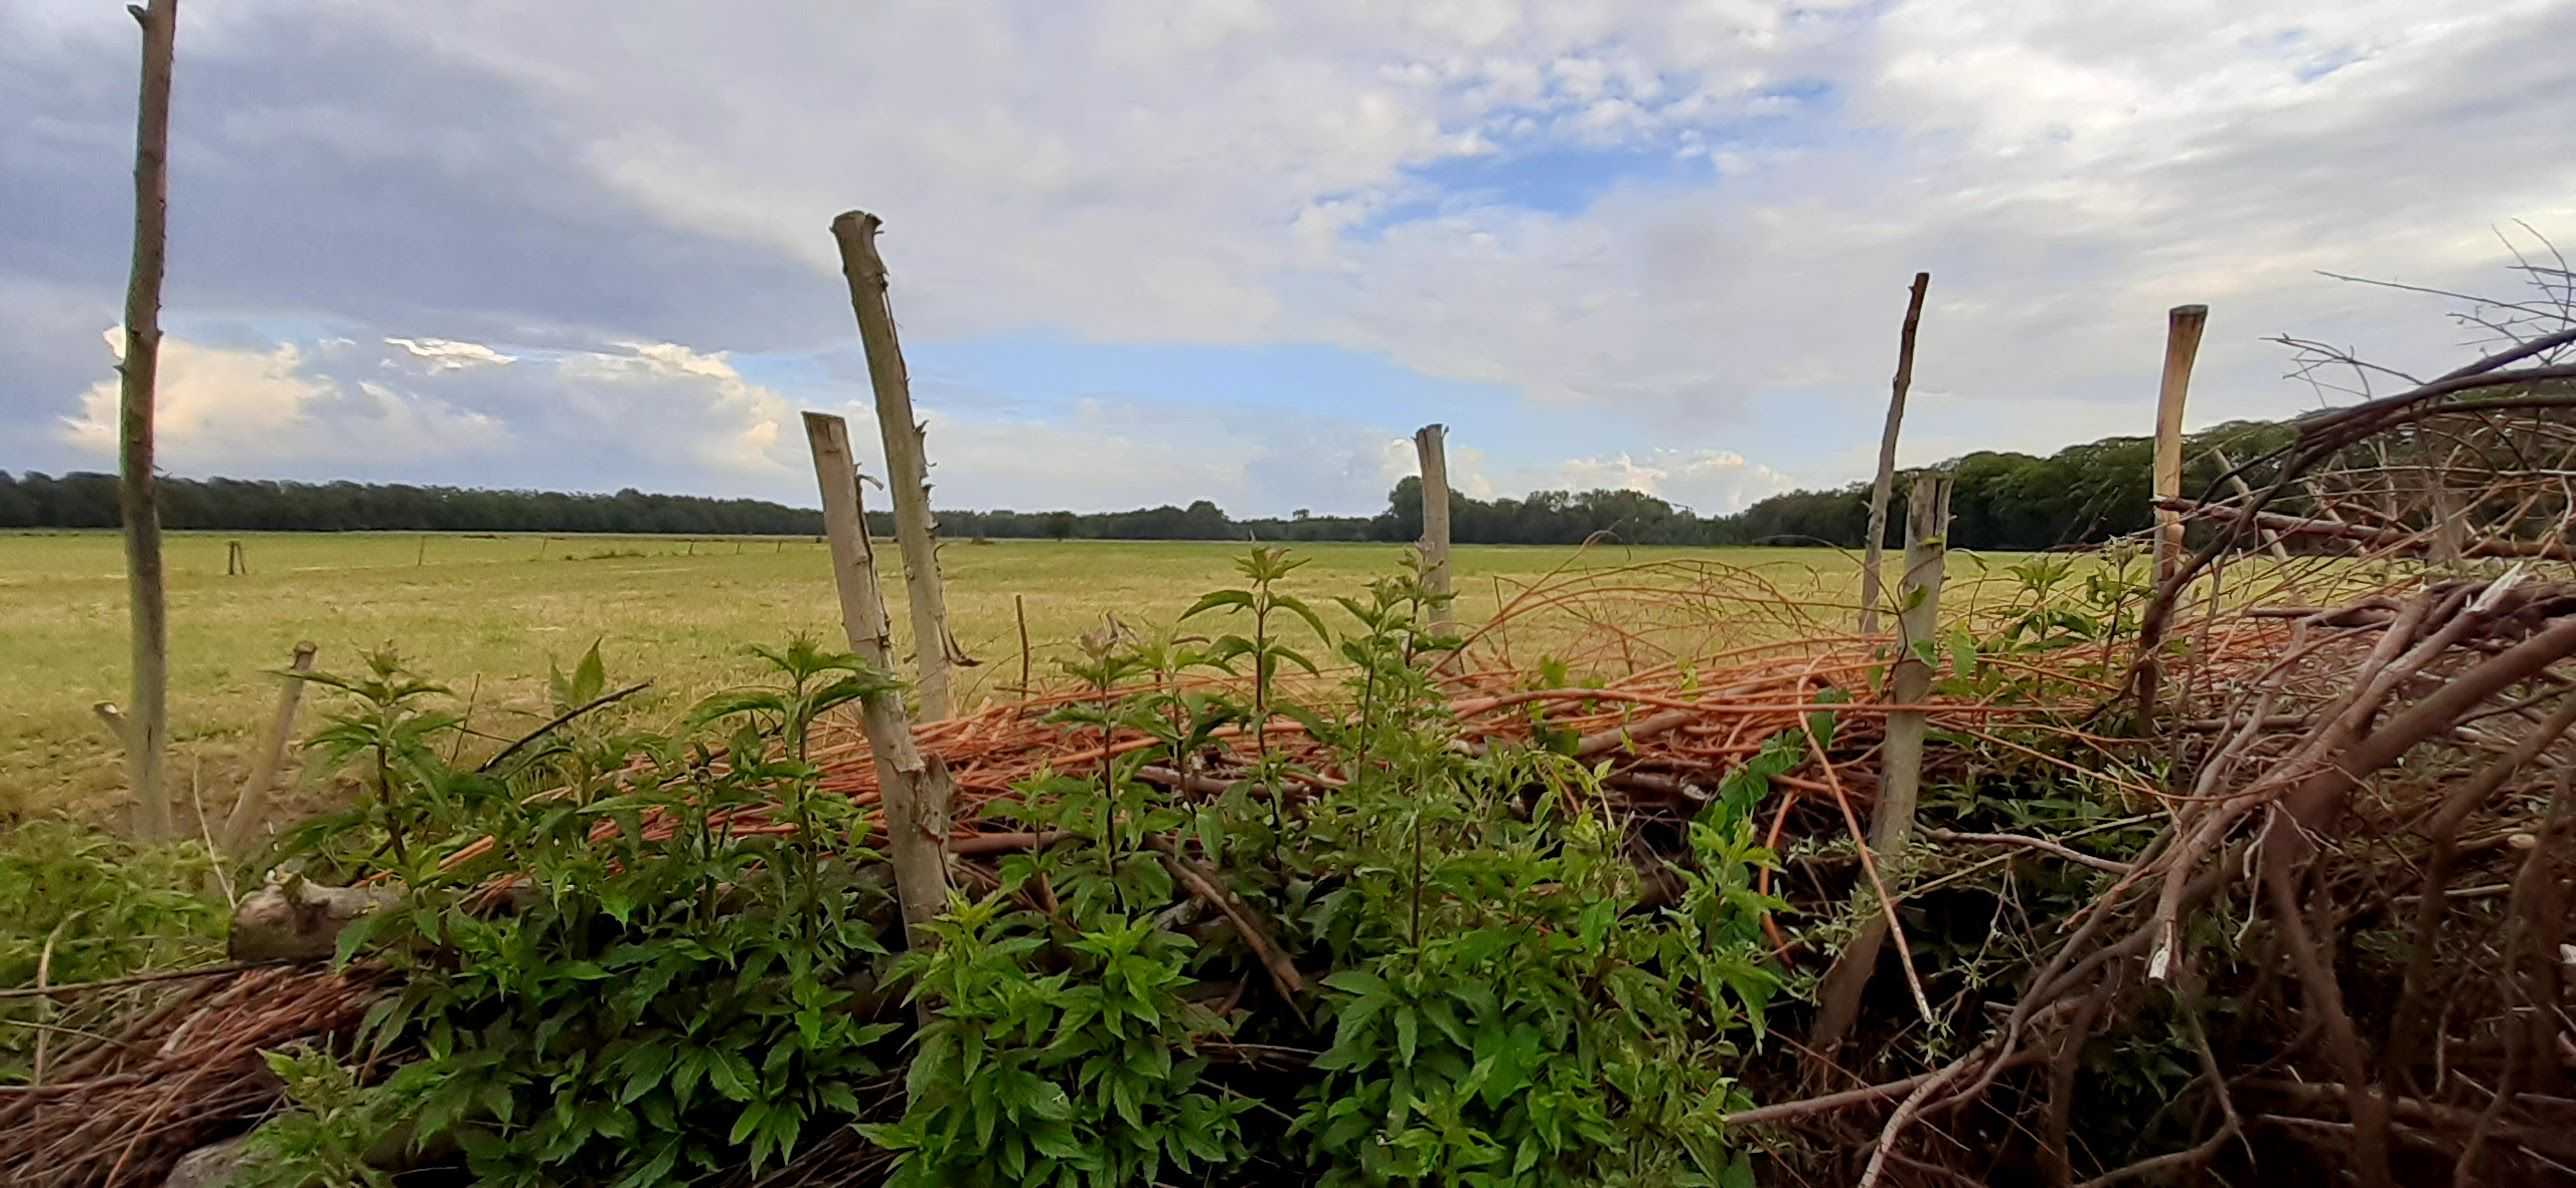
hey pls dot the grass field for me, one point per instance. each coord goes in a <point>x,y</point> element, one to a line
<point>485,614</point>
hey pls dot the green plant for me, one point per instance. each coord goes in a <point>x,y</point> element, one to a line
<point>1086,1075</point>
<point>660,963</point>
<point>1263,569</point>
<point>1500,1019</point>
<point>328,1135</point>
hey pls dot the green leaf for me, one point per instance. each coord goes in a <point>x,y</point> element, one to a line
<point>654,1171</point>
<point>1239,599</point>
<point>731,1074</point>
<point>749,1120</point>
<point>589,679</point>
<point>1352,981</point>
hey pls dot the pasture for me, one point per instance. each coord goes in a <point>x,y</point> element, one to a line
<point>485,614</point>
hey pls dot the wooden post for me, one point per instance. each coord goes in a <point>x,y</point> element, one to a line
<point>907,469</point>
<point>243,824</point>
<point>1869,575</point>
<point>1020,611</point>
<point>2183,325</point>
<point>420,556</point>
<point>147,735</point>
<point>915,789</point>
<point>2449,529</point>
<point>1891,826</point>
<point>1431,446</point>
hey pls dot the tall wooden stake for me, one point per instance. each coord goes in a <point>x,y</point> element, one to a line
<point>1869,576</point>
<point>907,470</point>
<point>147,734</point>
<point>1431,445</point>
<point>1891,825</point>
<point>2183,325</point>
<point>243,824</point>
<point>915,788</point>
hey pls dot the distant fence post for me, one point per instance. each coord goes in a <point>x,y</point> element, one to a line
<point>907,469</point>
<point>2183,325</point>
<point>1869,575</point>
<point>244,821</point>
<point>1431,446</point>
<point>1891,825</point>
<point>914,789</point>
<point>420,556</point>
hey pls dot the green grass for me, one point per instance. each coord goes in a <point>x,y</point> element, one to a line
<point>486,613</point>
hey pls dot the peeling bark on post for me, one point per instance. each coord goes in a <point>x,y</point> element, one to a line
<point>147,734</point>
<point>244,821</point>
<point>915,788</point>
<point>1891,825</point>
<point>1878,494</point>
<point>907,467</point>
<point>1431,445</point>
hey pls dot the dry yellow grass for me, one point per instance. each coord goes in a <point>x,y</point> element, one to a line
<point>485,614</point>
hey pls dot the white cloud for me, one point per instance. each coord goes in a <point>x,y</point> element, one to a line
<point>674,402</point>
<point>440,354</point>
<point>1710,482</point>
<point>221,407</point>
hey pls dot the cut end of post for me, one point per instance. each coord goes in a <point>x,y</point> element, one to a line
<point>856,231</point>
<point>304,650</point>
<point>2183,323</point>
<point>1435,431</point>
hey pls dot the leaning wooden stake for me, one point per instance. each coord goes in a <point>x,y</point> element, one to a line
<point>1891,826</point>
<point>1431,445</point>
<point>243,824</point>
<point>1869,576</point>
<point>915,787</point>
<point>147,733</point>
<point>907,470</point>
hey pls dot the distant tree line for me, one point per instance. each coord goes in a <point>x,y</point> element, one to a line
<point>2003,501</point>
<point>86,500</point>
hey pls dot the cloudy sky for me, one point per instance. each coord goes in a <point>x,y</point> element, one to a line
<point>1155,251</point>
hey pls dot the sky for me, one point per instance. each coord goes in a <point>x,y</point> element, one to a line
<point>1155,251</point>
